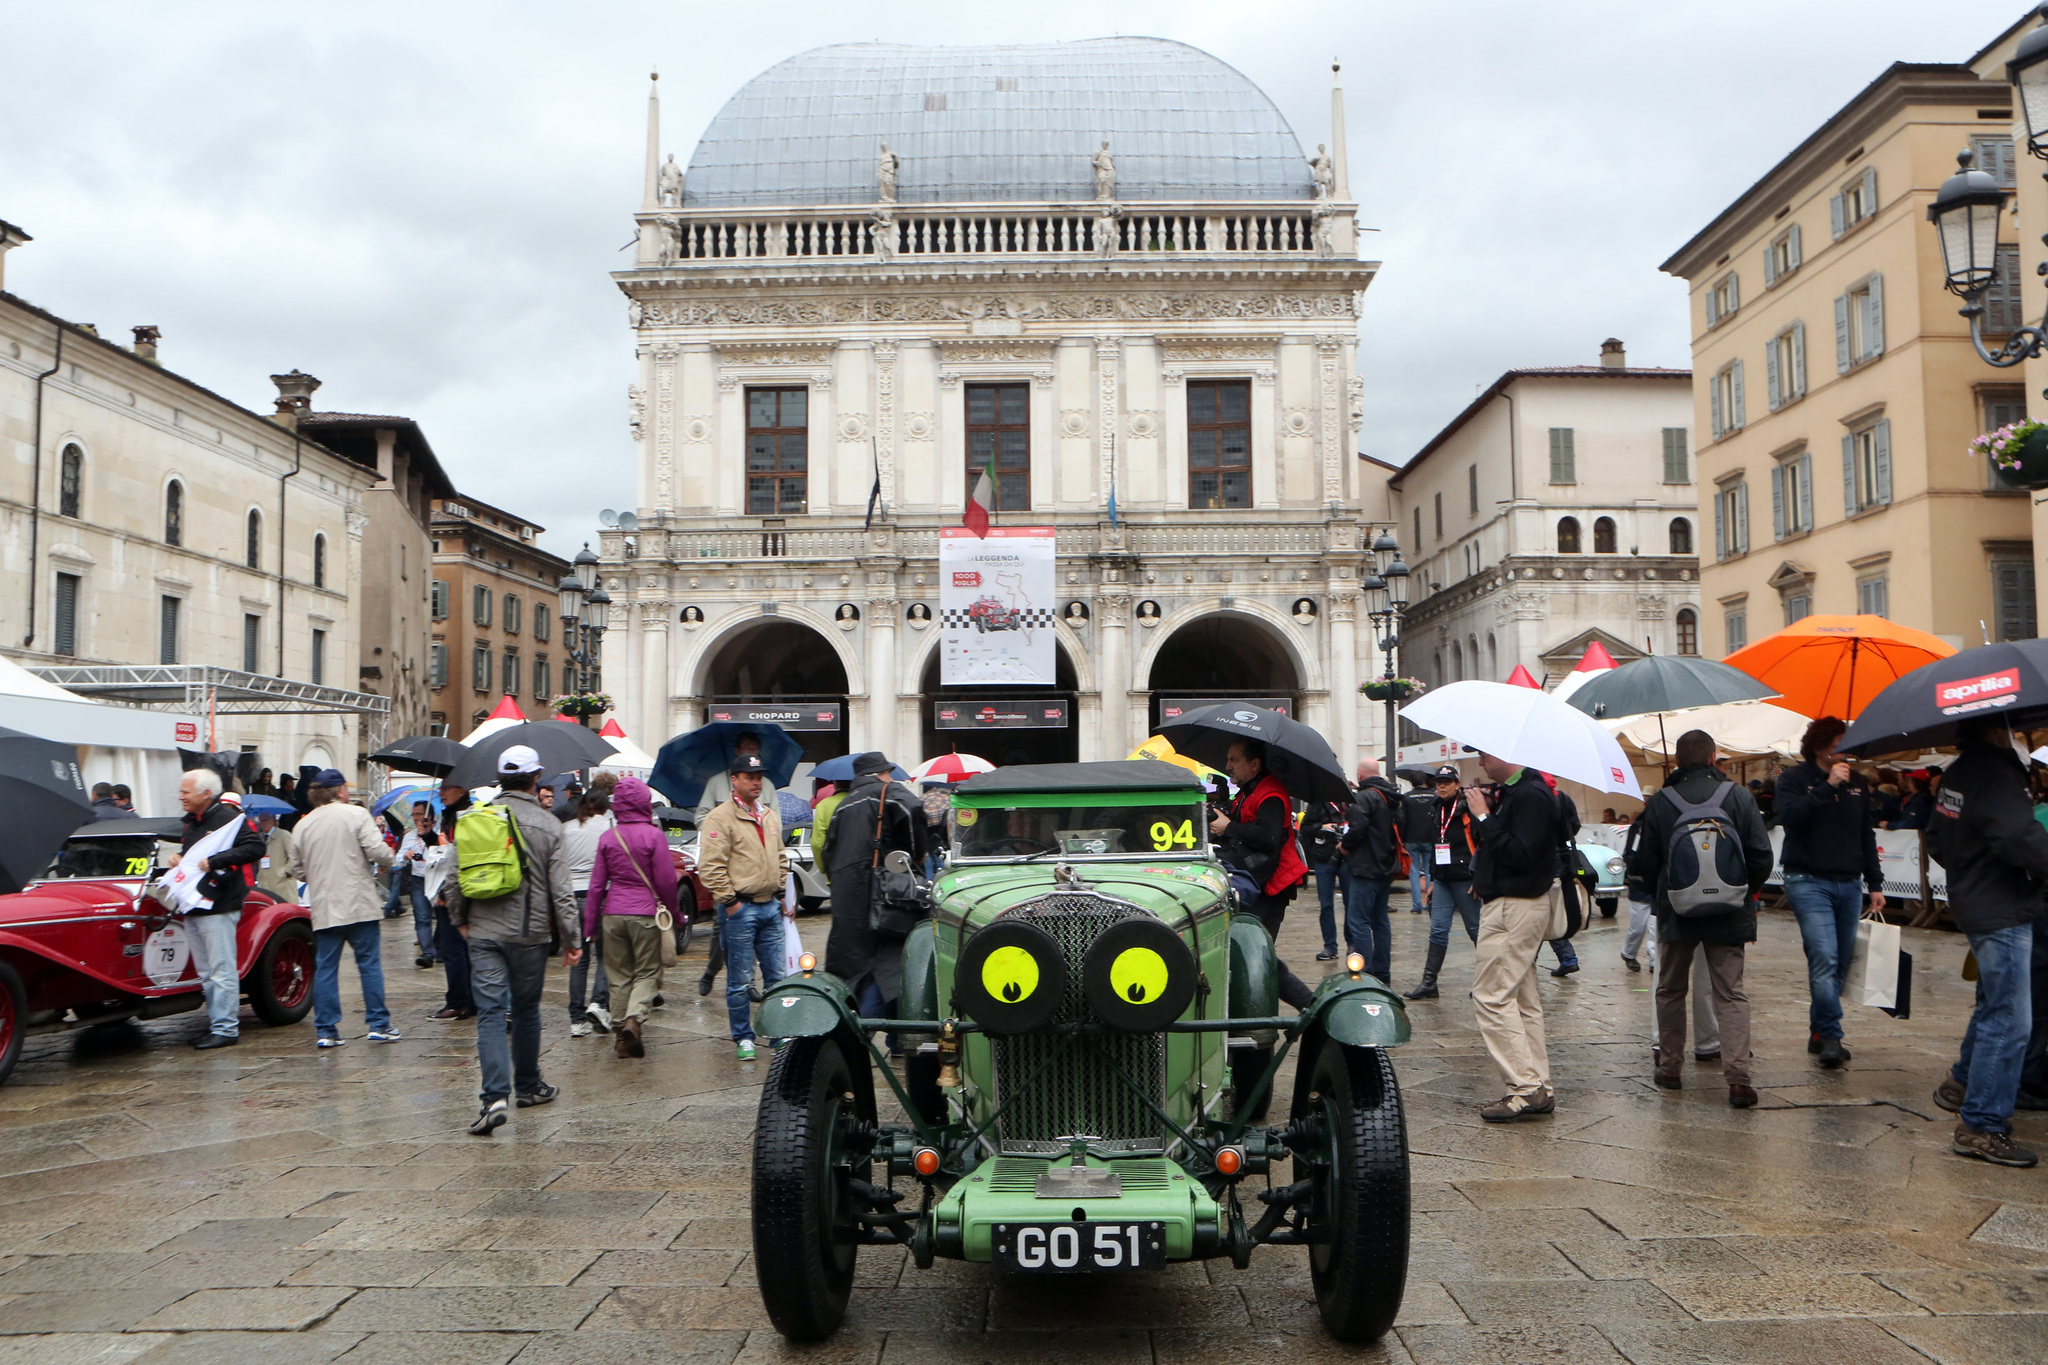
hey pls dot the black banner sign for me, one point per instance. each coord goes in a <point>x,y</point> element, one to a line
<point>1173,708</point>
<point>822,715</point>
<point>999,715</point>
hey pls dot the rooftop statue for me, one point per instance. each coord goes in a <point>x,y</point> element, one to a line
<point>1105,173</point>
<point>885,175</point>
<point>669,184</point>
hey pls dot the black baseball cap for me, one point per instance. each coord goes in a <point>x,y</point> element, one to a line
<point>747,763</point>
<point>1447,773</point>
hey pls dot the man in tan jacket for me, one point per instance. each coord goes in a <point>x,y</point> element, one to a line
<point>740,859</point>
<point>336,852</point>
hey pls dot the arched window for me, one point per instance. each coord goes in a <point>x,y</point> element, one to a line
<point>1567,535</point>
<point>1492,657</point>
<point>1436,670</point>
<point>253,550</point>
<point>174,514</point>
<point>1681,536</point>
<point>1472,653</point>
<point>1688,631</point>
<point>1457,661</point>
<point>70,480</point>
<point>319,561</point>
<point>1603,536</point>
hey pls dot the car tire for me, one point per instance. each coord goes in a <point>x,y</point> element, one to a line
<point>13,1018</point>
<point>1608,905</point>
<point>1247,1065</point>
<point>807,1153</point>
<point>1359,1266</point>
<point>280,990</point>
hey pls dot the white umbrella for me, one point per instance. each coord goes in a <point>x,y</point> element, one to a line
<point>1744,729</point>
<point>1527,727</point>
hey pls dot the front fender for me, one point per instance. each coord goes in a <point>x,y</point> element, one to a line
<point>1254,970</point>
<point>920,994</point>
<point>1360,1013</point>
<point>807,1007</point>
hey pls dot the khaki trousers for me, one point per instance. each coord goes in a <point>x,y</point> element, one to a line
<point>1511,930</point>
<point>1731,1004</point>
<point>632,958</point>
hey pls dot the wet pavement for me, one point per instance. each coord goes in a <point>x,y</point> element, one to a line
<point>159,1205</point>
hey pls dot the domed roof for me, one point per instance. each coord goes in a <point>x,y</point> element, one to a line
<point>994,124</point>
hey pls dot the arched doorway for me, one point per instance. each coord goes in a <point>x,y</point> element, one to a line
<point>985,721</point>
<point>1222,658</point>
<point>785,672</point>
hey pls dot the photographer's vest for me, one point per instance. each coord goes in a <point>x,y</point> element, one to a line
<point>1290,868</point>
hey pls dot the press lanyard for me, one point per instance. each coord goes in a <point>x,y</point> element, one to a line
<point>1443,836</point>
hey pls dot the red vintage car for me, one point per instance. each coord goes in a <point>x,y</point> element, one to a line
<point>989,613</point>
<point>83,946</point>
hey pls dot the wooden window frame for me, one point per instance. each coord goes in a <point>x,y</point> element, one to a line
<point>1220,471</point>
<point>1011,485</point>
<point>778,481</point>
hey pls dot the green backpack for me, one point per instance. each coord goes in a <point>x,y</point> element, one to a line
<point>489,853</point>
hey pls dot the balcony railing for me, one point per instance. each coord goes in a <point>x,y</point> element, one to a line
<point>845,544</point>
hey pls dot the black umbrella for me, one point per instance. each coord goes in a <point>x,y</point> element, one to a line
<point>1923,708</point>
<point>1300,757</point>
<point>435,755</point>
<point>1665,682</point>
<point>45,800</point>
<point>562,748</point>
<point>1419,776</point>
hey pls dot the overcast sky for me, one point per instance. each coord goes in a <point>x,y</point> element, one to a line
<point>420,203</point>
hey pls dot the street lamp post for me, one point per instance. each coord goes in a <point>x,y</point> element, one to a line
<point>585,609</point>
<point>1386,602</point>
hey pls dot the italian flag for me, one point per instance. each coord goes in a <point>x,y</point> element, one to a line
<point>979,501</point>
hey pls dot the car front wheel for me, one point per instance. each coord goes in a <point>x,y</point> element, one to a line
<point>1354,1147</point>
<point>810,1147</point>
<point>280,990</point>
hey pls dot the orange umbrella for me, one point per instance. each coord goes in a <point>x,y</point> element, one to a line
<point>1834,665</point>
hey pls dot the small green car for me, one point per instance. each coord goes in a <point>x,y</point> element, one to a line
<point>1093,1036</point>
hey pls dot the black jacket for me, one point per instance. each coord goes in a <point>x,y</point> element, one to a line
<point>1371,847</point>
<point>1322,825</point>
<point>1696,782</point>
<point>850,948</point>
<point>1828,830</point>
<point>1913,811</point>
<point>1419,813</point>
<point>226,885</point>
<point>1984,832</point>
<point>1518,841</point>
<point>1461,832</point>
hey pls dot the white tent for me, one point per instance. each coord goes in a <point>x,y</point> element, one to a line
<point>629,757</point>
<point>115,743</point>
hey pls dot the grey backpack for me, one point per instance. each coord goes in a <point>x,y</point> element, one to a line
<point>1704,870</point>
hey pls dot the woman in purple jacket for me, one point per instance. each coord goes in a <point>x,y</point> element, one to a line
<point>633,878</point>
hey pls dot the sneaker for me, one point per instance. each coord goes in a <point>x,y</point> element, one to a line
<point>1515,1108</point>
<point>703,985</point>
<point>1832,1053</point>
<point>580,1029</point>
<point>324,1041</point>
<point>383,1035</point>
<point>1631,963</point>
<point>1997,1148</point>
<point>1741,1097</point>
<point>1326,955</point>
<point>545,1094</point>
<point>746,1050</point>
<point>448,1013</point>
<point>1564,969</point>
<point>600,1018</point>
<point>489,1119</point>
<point>1949,1094</point>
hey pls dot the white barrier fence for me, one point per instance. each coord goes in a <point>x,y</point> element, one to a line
<point>1898,856</point>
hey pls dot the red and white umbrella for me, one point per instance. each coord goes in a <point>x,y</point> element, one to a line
<point>950,768</point>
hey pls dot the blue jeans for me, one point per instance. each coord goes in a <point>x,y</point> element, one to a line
<point>592,962</point>
<point>366,938</point>
<point>1995,1044</point>
<point>212,940</point>
<point>1326,895</point>
<point>506,979</point>
<point>453,950</point>
<point>422,909</point>
<point>1567,956</point>
<point>1365,922</point>
<point>752,931</point>
<point>1445,900</point>
<point>1828,912</point>
<point>1420,859</point>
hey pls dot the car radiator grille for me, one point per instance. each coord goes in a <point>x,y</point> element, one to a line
<point>1080,1092</point>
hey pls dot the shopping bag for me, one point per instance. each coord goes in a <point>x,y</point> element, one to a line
<point>792,947</point>
<point>1904,1008</point>
<point>1873,977</point>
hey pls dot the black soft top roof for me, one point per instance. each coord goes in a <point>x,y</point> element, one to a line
<point>159,827</point>
<point>1136,774</point>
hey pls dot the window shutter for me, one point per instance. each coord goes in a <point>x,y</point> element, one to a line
<point>1734,291</point>
<point>1771,384</point>
<point>67,613</point>
<point>1712,294</point>
<point>1777,502</point>
<point>1838,216</point>
<point>1870,191</point>
<point>1849,507</point>
<point>1740,416</point>
<point>1742,518</point>
<point>1770,264</point>
<point>1841,334</point>
<point>1803,466</point>
<point>1561,455</point>
<point>1714,401</point>
<point>1798,376</point>
<point>1873,336</point>
<point>1674,455</point>
<point>1720,525</point>
<point>1792,247</point>
<point>1881,457</point>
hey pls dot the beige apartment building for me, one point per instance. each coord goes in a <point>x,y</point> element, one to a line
<point>1835,390</point>
<point>493,617</point>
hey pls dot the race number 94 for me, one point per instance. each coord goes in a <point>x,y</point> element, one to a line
<point>1167,836</point>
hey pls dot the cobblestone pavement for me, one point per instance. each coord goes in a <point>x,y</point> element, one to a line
<point>159,1206</point>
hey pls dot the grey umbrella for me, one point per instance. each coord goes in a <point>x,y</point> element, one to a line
<point>1665,682</point>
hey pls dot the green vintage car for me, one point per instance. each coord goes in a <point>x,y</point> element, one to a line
<point>1092,1034</point>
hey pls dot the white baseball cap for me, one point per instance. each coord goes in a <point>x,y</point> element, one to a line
<point>518,758</point>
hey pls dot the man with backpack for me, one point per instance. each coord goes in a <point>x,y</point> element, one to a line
<point>1372,859</point>
<point>1418,822</point>
<point>1703,856</point>
<point>511,890</point>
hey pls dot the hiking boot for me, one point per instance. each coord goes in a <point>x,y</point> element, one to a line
<point>543,1094</point>
<point>629,1039</point>
<point>1515,1108</point>
<point>1668,1080</point>
<point>1997,1148</point>
<point>1631,963</point>
<point>1832,1053</point>
<point>1564,968</point>
<point>1741,1097</point>
<point>489,1119</point>
<point>746,1050</point>
<point>1949,1094</point>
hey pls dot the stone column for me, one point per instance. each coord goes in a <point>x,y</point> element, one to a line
<point>652,718</point>
<point>1343,674</point>
<point>883,693</point>
<point>1113,669</point>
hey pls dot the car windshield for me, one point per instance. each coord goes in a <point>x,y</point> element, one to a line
<point>1084,825</point>
<point>129,856</point>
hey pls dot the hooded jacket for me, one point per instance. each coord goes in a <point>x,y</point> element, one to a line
<point>631,855</point>
<point>1984,832</point>
<point>1371,844</point>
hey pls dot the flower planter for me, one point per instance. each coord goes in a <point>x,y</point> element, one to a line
<point>2023,462</point>
<point>1397,690</point>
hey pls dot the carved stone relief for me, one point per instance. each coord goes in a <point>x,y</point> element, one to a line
<point>1151,307</point>
<point>918,426</point>
<point>853,426</point>
<point>1074,422</point>
<point>636,411</point>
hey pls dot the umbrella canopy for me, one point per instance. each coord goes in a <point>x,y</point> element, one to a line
<point>1300,757</point>
<point>840,769</point>
<point>406,795</point>
<point>435,755</point>
<point>1742,729</point>
<point>796,812</point>
<point>1834,665</point>
<point>562,748</point>
<point>1421,776</point>
<point>1924,707</point>
<point>1157,747</point>
<point>950,768</point>
<point>266,805</point>
<point>1664,682</point>
<point>1527,727</point>
<point>45,799</point>
<point>688,761</point>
